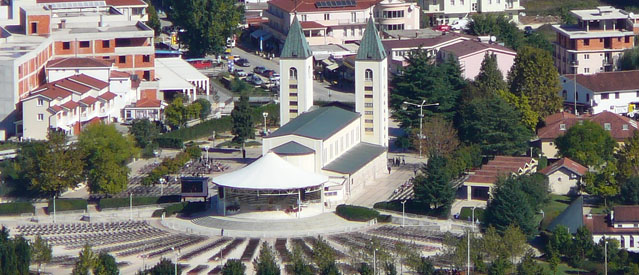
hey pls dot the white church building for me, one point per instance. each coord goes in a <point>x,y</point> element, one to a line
<point>348,147</point>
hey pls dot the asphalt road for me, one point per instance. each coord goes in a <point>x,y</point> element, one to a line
<point>321,90</point>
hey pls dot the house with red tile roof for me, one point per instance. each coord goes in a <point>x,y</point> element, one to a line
<point>616,92</point>
<point>479,184</point>
<point>622,224</point>
<point>620,127</point>
<point>564,176</point>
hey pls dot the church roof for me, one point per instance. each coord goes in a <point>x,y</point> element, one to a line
<point>296,45</point>
<point>371,47</point>
<point>355,158</point>
<point>292,148</point>
<point>572,217</point>
<point>318,124</point>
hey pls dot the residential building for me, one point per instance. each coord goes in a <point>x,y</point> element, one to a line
<point>338,22</point>
<point>620,127</point>
<point>596,42</point>
<point>616,92</point>
<point>446,12</point>
<point>399,49</point>
<point>622,224</point>
<point>480,184</point>
<point>564,176</point>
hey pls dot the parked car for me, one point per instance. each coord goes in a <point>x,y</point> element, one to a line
<point>243,62</point>
<point>268,73</point>
<point>528,30</point>
<point>442,28</point>
<point>274,78</point>
<point>461,24</point>
<point>255,80</point>
<point>240,73</point>
<point>259,69</point>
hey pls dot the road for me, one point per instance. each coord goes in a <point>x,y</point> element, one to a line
<point>321,90</point>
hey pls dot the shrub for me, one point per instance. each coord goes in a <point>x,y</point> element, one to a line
<point>384,218</point>
<point>14,208</point>
<point>67,205</point>
<point>124,202</point>
<point>170,142</point>
<point>201,130</point>
<point>356,213</point>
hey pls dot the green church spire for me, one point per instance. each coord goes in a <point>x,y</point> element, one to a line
<point>371,47</point>
<point>295,45</point>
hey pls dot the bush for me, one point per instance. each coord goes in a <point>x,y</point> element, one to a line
<point>467,212</point>
<point>15,208</point>
<point>124,202</point>
<point>170,142</point>
<point>201,130</point>
<point>356,213</point>
<point>184,208</point>
<point>384,218</point>
<point>67,205</point>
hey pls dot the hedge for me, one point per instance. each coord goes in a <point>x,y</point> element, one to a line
<point>201,130</point>
<point>16,208</point>
<point>356,213</point>
<point>412,207</point>
<point>124,202</point>
<point>170,142</point>
<point>184,208</point>
<point>67,205</point>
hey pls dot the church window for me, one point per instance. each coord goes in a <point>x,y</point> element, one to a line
<point>368,75</point>
<point>292,73</point>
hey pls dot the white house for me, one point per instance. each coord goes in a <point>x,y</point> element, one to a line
<point>564,176</point>
<point>616,92</point>
<point>449,11</point>
<point>622,224</point>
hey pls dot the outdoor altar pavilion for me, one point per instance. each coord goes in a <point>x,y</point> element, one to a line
<point>269,184</point>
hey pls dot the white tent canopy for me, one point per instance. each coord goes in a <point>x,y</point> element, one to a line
<point>270,172</point>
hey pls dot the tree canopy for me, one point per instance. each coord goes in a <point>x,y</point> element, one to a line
<point>490,79</point>
<point>144,131</point>
<point>233,267</point>
<point>242,121</point>
<point>439,137</point>
<point>206,23</point>
<point>433,187</point>
<point>587,143</point>
<point>41,251</point>
<point>628,158</point>
<point>154,20</point>
<point>265,263</point>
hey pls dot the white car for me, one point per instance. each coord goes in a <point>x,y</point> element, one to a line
<point>461,24</point>
<point>274,78</point>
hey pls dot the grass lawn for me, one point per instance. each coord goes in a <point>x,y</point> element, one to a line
<point>553,208</point>
<point>561,269</point>
<point>552,7</point>
<point>238,145</point>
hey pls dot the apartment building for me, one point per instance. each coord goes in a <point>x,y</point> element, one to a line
<point>338,22</point>
<point>616,92</point>
<point>446,12</point>
<point>596,42</point>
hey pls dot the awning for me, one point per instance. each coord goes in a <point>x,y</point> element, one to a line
<point>264,35</point>
<point>270,172</point>
<point>332,67</point>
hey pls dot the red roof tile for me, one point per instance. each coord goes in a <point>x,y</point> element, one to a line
<point>609,81</point>
<point>56,108</point>
<point>567,163</point>
<point>89,81</point>
<point>116,3</point>
<point>617,122</point>
<point>500,166</point>
<point>309,5</point>
<point>557,117</point>
<point>600,224</point>
<point>119,74</point>
<point>311,25</point>
<point>72,85</point>
<point>421,42</point>
<point>78,62</point>
<point>626,213</point>
<point>50,91</point>
<point>107,96</point>
<point>148,103</point>
<point>70,105</point>
<point>471,46</point>
<point>88,101</point>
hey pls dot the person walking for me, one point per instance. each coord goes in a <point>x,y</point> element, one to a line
<point>389,169</point>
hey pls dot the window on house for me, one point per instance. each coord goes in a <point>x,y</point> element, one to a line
<point>607,126</point>
<point>368,105</point>
<point>452,2</point>
<point>66,45</point>
<point>146,75</point>
<point>586,42</point>
<point>368,88</point>
<point>146,58</point>
<point>353,17</point>
<point>577,96</point>
<point>292,87</point>
<point>292,73</point>
<point>122,59</point>
<point>327,16</point>
<point>40,102</point>
<point>34,27</point>
<point>586,70</point>
<point>368,113</point>
<point>368,75</point>
<point>586,56</point>
<point>40,117</point>
<point>292,103</point>
<point>106,43</point>
<point>368,96</point>
<point>604,96</point>
<point>84,44</point>
<point>587,97</point>
<point>624,127</point>
<point>627,39</point>
<point>617,95</point>
<point>562,126</point>
<point>565,94</point>
<point>637,94</point>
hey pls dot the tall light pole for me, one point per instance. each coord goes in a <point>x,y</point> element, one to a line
<point>374,261</point>
<point>473,217</point>
<point>605,255</point>
<point>421,117</point>
<point>468,256</point>
<point>176,253</point>
<point>403,212</point>
<point>265,115</point>
<point>53,208</point>
<point>130,205</point>
<point>206,147</point>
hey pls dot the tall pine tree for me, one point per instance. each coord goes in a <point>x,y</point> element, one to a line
<point>432,187</point>
<point>510,206</point>
<point>265,264</point>
<point>490,79</point>
<point>242,121</point>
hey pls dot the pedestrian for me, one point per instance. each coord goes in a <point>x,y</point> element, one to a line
<point>415,171</point>
<point>222,232</point>
<point>403,161</point>
<point>389,169</point>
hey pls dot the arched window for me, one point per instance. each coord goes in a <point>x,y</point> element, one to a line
<point>292,73</point>
<point>368,75</point>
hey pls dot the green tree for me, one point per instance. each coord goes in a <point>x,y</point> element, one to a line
<point>587,143</point>
<point>242,121</point>
<point>499,267</point>
<point>514,242</point>
<point>106,153</point>
<point>23,254</point>
<point>164,267</point>
<point>536,188</point>
<point>628,158</point>
<point>8,257</point>
<point>233,267</point>
<point>205,109</point>
<point>534,75</point>
<point>527,115</point>
<point>300,265</point>
<point>425,267</point>
<point>561,240</point>
<point>266,264</point>
<point>432,187</point>
<point>439,137</point>
<point>207,23</point>
<point>144,131</point>
<point>629,60</point>
<point>528,265</point>
<point>489,80</point>
<point>484,24</point>
<point>421,80</point>
<point>105,265</point>
<point>389,268</point>
<point>86,261</point>
<point>365,269</point>
<point>176,114</point>
<point>494,125</point>
<point>582,247</point>
<point>508,208</point>
<point>324,257</point>
<point>602,183</point>
<point>154,20</point>
<point>629,192</point>
<point>41,251</point>
<point>52,166</point>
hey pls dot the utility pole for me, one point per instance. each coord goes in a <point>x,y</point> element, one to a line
<point>53,208</point>
<point>421,117</point>
<point>403,212</point>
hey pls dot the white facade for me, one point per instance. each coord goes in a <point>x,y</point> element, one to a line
<point>296,87</point>
<point>618,102</point>
<point>371,96</point>
<point>563,181</point>
<point>449,11</point>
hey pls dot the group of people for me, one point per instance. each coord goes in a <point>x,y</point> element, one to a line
<point>396,161</point>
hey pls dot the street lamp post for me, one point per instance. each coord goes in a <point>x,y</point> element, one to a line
<point>374,261</point>
<point>421,117</point>
<point>206,147</point>
<point>176,253</point>
<point>265,115</point>
<point>473,217</point>
<point>605,255</point>
<point>53,208</point>
<point>403,212</point>
<point>130,205</point>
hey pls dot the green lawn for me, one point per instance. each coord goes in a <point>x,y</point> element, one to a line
<point>561,269</point>
<point>237,145</point>
<point>552,7</point>
<point>553,208</point>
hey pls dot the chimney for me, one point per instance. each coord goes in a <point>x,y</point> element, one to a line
<point>612,216</point>
<point>101,23</point>
<point>63,23</point>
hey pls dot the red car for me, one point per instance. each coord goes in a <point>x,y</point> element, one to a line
<point>442,28</point>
